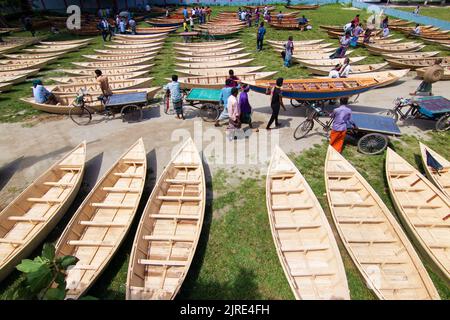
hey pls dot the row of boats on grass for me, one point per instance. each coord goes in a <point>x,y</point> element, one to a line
<point>170,225</point>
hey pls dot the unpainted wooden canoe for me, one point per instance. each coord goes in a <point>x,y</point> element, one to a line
<point>303,238</point>
<point>214,58</point>
<point>156,42</point>
<point>378,49</point>
<point>169,229</point>
<point>111,57</point>
<point>114,63</point>
<point>206,44</point>
<point>441,177</point>
<point>422,208</point>
<point>34,56</point>
<point>219,71</point>
<point>220,64</point>
<point>110,71</point>
<point>297,43</point>
<point>413,55</point>
<point>372,236</point>
<point>28,219</point>
<point>93,86</point>
<point>417,63</point>
<point>90,78</point>
<point>189,50</point>
<point>315,55</point>
<point>67,42</point>
<point>116,52</point>
<point>131,46</point>
<point>102,221</point>
<point>218,82</point>
<point>359,68</point>
<point>327,62</point>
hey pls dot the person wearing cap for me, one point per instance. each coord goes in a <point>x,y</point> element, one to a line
<point>41,94</point>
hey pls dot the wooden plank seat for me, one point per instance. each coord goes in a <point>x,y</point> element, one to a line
<point>58,184</point>
<point>403,189</point>
<point>345,189</point>
<point>27,219</point>
<point>45,200</point>
<point>90,243</point>
<point>112,205</point>
<point>381,260</point>
<point>420,206</point>
<point>181,181</point>
<point>283,175</point>
<point>305,248</point>
<point>312,273</point>
<point>128,175</point>
<point>179,198</point>
<point>281,226</point>
<point>433,224</point>
<point>121,190</point>
<point>168,263</point>
<point>181,238</point>
<point>361,220</point>
<point>83,267</point>
<point>439,245</point>
<point>340,174</point>
<point>131,161</point>
<point>353,205</point>
<point>286,191</point>
<point>174,216</point>
<point>371,241</point>
<point>185,165</point>
<point>12,241</point>
<point>397,287</point>
<point>293,207</point>
<point>105,224</point>
<point>400,172</point>
<point>69,168</point>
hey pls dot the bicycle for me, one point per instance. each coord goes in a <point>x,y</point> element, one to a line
<point>81,113</point>
<point>312,117</point>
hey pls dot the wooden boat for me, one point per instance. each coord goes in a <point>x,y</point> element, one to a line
<point>303,238</point>
<point>304,7</point>
<point>378,49</point>
<point>398,22</point>
<point>219,71</point>
<point>90,78</point>
<point>5,86</point>
<point>111,71</point>
<point>362,68</point>
<point>209,48</point>
<point>34,56</point>
<point>316,89</point>
<point>110,64</point>
<point>50,49</point>
<point>372,236</point>
<point>315,55</point>
<point>327,62</point>
<point>299,43</point>
<point>220,28</point>
<point>131,46</point>
<point>332,28</point>
<point>27,72</point>
<point>210,53</point>
<point>414,55</point>
<point>98,57</point>
<point>165,22</point>
<point>208,44</point>
<point>169,230</point>
<point>154,30</point>
<point>218,82</point>
<point>93,86</point>
<point>375,35</point>
<point>68,42</point>
<point>122,52</point>
<point>261,8</point>
<point>65,100</point>
<point>137,36</point>
<point>7,81</point>
<point>305,47</point>
<point>28,219</point>
<point>381,41</point>
<point>62,46</point>
<point>422,208</point>
<point>440,178</point>
<point>417,63</point>
<point>101,223</point>
<point>217,33</point>
<point>220,64</point>
<point>446,76</point>
<point>159,42</point>
<point>434,41</point>
<point>284,25</point>
<point>384,78</point>
<point>214,58</point>
<point>11,65</point>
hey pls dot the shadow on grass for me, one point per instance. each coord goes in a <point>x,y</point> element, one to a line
<point>111,284</point>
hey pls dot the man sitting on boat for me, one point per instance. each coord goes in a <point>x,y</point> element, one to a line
<point>344,43</point>
<point>334,73</point>
<point>341,117</point>
<point>302,23</point>
<point>416,31</point>
<point>432,74</point>
<point>345,69</point>
<point>41,94</point>
<point>280,17</point>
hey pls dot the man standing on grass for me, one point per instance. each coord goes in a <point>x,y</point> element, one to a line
<point>341,117</point>
<point>260,36</point>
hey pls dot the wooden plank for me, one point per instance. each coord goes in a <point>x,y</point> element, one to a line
<point>169,238</point>
<point>12,241</point>
<point>181,181</point>
<point>281,226</point>
<point>305,248</point>
<point>293,207</point>
<point>58,184</point>
<point>162,262</point>
<point>113,205</point>
<point>90,243</point>
<point>44,200</point>
<point>286,191</point>
<point>26,219</point>
<point>312,273</point>
<point>174,216</point>
<point>103,224</point>
<point>128,175</point>
<point>121,190</point>
<point>179,198</point>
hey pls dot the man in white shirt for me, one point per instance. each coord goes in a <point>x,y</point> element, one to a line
<point>347,26</point>
<point>345,69</point>
<point>334,73</point>
<point>122,26</point>
<point>385,32</point>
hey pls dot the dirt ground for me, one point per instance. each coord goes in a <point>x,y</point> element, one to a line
<point>28,150</point>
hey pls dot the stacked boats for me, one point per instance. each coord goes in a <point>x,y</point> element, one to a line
<point>222,26</point>
<point>126,62</point>
<point>207,64</point>
<point>15,68</point>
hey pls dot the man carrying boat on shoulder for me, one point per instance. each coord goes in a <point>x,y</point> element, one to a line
<point>432,74</point>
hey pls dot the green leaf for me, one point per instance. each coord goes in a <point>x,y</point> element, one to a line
<point>27,266</point>
<point>40,279</point>
<point>60,279</point>
<point>55,294</point>
<point>48,252</point>
<point>67,261</point>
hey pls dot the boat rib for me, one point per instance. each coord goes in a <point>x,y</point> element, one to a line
<point>169,229</point>
<point>100,224</point>
<point>303,238</point>
<point>28,219</point>
<point>373,238</point>
<point>423,209</point>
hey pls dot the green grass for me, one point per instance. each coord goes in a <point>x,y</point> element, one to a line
<point>442,13</point>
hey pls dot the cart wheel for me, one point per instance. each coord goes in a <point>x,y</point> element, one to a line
<point>392,114</point>
<point>303,129</point>
<point>373,143</point>
<point>80,117</point>
<point>443,124</point>
<point>131,113</point>
<point>296,103</point>
<point>209,112</point>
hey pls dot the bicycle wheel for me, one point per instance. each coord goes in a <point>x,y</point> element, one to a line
<point>296,103</point>
<point>209,112</point>
<point>303,129</point>
<point>392,114</point>
<point>373,143</point>
<point>131,113</point>
<point>443,124</point>
<point>81,116</point>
